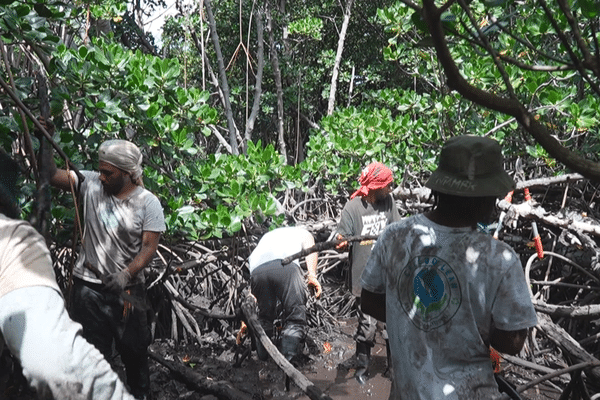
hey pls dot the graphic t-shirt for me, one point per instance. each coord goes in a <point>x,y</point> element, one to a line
<point>445,289</point>
<point>361,218</point>
<point>113,227</point>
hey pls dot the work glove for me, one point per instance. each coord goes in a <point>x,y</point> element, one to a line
<point>241,333</point>
<point>315,285</point>
<point>343,245</point>
<point>116,282</point>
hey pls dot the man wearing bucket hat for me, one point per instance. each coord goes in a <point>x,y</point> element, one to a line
<point>370,209</point>
<point>446,290</point>
<point>122,226</point>
<point>55,358</point>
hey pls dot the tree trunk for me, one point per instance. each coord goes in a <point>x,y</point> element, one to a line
<point>278,85</point>
<point>224,85</point>
<point>338,57</point>
<point>259,74</point>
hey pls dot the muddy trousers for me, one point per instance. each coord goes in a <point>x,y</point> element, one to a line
<point>272,282</point>
<point>106,321</point>
<point>365,337</point>
<point>367,326</point>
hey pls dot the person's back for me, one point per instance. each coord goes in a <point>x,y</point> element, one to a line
<point>278,244</point>
<point>272,282</point>
<point>452,282</point>
<point>449,291</point>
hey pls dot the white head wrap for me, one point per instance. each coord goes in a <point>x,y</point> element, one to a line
<point>123,155</point>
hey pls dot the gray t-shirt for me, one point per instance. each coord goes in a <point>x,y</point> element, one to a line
<point>113,227</point>
<point>361,218</point>
<point>445,289</point>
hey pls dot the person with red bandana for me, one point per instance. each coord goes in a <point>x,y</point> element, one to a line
<point>370,209</point>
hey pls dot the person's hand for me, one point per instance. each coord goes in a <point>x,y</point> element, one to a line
<point>343,245</point>
<point>48,125</point>
<point>315,285</point>
<point>241,333</point>
<point>116,282</point>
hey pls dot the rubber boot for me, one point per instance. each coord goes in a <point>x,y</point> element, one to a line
<point>290,346</point>
<point>261,352</point>
<point>363,359</point>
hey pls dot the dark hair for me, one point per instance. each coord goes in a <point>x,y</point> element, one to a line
<point>9,172</point>
<point>461,205</point>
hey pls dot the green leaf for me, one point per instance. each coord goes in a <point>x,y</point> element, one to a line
<point>42,10</point>
<point>420,24</point>
<point>589,8</point>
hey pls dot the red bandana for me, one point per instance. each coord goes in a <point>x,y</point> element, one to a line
<point>374,176</point>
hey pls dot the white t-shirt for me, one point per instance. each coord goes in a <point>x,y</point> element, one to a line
<point>113,227</point>
<point>445,288</point>
<point>278,244</point>
<point>24,257</point>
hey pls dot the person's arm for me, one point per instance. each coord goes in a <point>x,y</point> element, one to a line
<point>117,281</point>
<point>509,342</point>
<point>311,265</point>
<point>373,304</point>
<point>59,178</point>
<point>149,246</point>
<point>344,229</point>
<point>63,179</point>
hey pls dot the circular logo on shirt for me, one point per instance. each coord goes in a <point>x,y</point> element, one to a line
<point>429,292</point>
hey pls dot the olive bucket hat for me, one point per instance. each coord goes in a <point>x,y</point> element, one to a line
<point>471,166</point>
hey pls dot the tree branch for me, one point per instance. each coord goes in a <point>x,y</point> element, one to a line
<point>509,106</point>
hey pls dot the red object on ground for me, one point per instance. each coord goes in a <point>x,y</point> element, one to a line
<point>537,241</point>
<point>527,194</point>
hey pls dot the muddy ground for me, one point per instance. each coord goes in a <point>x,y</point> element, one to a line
<point>324,352</point>
<point>264,380</point>
<point>214,360</point>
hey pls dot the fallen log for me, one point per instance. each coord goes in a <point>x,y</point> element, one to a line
<point>221,389</point>
<point>569,345</point>
<point>248,307</point>
<point>530,211</point>
<point>176,296</point>
<point>423,194</point>
<point>590,311</point>
<point>318,247</point>
<point>572,368</point>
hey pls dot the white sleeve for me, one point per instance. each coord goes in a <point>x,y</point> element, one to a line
<point>55,357</point>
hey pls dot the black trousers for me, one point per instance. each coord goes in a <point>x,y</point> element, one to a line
<point>106,321</point>
<point>273,281</point>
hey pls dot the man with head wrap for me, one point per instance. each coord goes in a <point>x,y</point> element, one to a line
<point>369,211</point>
<point>122,226</point>
<point>34,324</point>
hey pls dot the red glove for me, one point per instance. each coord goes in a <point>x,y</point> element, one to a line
<point>241,333</point>
<point>314,283</point>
